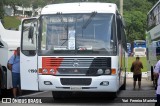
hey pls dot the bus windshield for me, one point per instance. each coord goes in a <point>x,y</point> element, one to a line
<point>78,34</point>
<point>140,44</point>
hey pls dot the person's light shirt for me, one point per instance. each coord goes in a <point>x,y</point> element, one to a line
<point>15,61</point>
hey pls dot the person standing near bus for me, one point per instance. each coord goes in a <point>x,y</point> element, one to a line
<point>157,75</point>
<point>14,64</point>
<point>137,74</point>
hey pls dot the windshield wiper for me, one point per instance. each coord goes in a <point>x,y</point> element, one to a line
<point>89,20</point>
<point>65,27</point>
<point>61,18</point>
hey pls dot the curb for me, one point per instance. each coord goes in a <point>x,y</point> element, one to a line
<point>130,74</point>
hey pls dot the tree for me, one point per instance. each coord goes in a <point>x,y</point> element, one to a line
<point>153,1</point>
<point>13,4</point>
<point>34,4</point>
<point>135,15</point>
<point>1,9</point>
<point>135,25</point>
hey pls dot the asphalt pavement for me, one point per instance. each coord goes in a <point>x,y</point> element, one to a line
<point>128,97</point>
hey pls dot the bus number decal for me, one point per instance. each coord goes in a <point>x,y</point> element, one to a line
<point>32,71</point>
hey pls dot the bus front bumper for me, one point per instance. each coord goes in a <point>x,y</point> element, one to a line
<point>98,83</point>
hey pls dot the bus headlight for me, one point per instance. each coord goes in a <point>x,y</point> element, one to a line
<point>107,71</point>
<point>99,71</point>
<point>52,71</point>
<point>45,71</point>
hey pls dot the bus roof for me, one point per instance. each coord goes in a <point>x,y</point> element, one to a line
<point>139,41</point>
<point>80,7</point>
<point>153,7</point>
<point>10,37</point>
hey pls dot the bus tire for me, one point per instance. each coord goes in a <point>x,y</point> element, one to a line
<point>60,94</point>
<point>123,87</point>
<point>3,77</point>
<point>56,95</point>
<point>114,95</point>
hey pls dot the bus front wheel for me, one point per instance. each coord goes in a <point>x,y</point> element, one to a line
<point>60,94</point>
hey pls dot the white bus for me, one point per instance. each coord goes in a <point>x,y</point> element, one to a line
<point>74,47</point>
<point>139,48</point>
<point>9,41</point>
<point>152,39</point>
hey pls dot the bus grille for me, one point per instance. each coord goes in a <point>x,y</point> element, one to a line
<point>75,81</point>
<point>79,66</point>
<point>80,62</point>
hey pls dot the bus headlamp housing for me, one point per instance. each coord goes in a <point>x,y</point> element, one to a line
<point>52,71</point>
<point>45,71</point>
<point>99,71</point>
<point>104,71</point>
<point>107,71</point>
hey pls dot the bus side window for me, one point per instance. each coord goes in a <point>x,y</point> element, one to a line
<point>118,28</point>
<point>121,32</point>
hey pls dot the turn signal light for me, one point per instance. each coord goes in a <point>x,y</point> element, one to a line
<point>113,71</point>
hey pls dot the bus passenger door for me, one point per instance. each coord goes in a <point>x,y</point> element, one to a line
<point>28,55</point>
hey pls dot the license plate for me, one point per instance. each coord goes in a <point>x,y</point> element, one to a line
<point>76,88</point>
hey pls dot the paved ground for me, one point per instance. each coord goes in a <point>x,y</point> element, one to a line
<point>147,90</point>
<point>146,84</point>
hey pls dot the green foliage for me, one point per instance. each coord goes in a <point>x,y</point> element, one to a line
<point>153,1</point>
<point>135,15</point>
<point>135,24</point>
<point>142,59</point>
<point>1,9</point>
<point>13,4</point>
<point>11,22</point>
